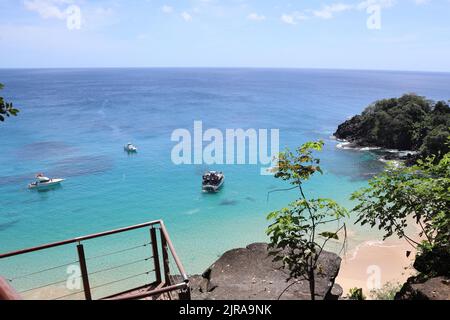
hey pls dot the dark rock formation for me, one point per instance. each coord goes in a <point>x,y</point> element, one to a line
<point>432,289</point>
<point>356,132</point>
<point>433,281</point>
<point>350,130</point>
<point>435,262</point>
<point>250,274</point>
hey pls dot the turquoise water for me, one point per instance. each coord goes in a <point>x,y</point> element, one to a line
<point>74,124</point>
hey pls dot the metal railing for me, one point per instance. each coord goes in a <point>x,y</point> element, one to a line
<point>164,281</point>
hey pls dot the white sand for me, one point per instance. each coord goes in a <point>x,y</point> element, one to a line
<point>375,263</point>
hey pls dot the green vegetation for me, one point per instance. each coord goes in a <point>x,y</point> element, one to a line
<point>387,292</point>
<point>356,294</point>
<point>6,108</point>
<point>295,238</point>
<point>402,195</point>
<point>419,194</point>
<point>410,122</point>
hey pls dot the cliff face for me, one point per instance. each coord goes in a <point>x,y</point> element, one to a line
<point>250,274</point>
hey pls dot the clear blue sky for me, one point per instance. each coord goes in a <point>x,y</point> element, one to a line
<point>414,34</point>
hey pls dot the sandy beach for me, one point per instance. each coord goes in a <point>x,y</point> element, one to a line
<point>373,264</point>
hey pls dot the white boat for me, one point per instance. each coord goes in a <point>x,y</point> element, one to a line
<point>213,181</point>
<point>130,148</point>
<point>44,182</point>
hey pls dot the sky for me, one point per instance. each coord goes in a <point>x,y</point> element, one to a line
<point>340,34</point>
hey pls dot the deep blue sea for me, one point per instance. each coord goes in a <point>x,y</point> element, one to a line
<point>74,123</point>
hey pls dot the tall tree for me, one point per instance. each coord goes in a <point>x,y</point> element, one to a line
<point>300,232</point>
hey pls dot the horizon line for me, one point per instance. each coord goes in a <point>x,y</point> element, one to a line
<point>222,67</point>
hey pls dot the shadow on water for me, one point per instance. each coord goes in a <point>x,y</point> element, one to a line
<point>228,202</point>
<point>82,165</point>
<point>46,190</point>
<point>18,179</point>
<point>131,154</point>
<point>44,150</point>
<point>66,168</point>
<point>7,225</point>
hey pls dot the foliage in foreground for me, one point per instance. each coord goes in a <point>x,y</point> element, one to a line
<point>6,108</point>
<point>418,194</point>
<point>387,292</point>
<point>296,234</point>
<point>356,294</point>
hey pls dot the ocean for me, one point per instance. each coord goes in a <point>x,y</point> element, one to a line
<point>74,123</point>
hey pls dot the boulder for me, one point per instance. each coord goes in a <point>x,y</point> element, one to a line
<point>437,288</point>
<point>251,274</point>
<point>434,262</point>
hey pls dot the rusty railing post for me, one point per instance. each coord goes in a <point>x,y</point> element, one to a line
<point>165,258</point>
<point>154,241</point>
<point>84,272</point>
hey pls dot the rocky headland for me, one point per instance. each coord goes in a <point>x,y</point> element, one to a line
<point>406,128</point>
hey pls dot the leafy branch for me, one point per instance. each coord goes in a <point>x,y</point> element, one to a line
<point>418,195</point>
<point>295,238</point>
<point>6,108</point>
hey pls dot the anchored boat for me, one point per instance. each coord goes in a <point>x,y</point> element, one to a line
<point>213,181</point>
<point>130,148</point>
<point>44,182</point>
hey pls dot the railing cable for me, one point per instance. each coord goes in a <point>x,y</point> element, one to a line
<point>48,285</point>
<point>120,266</point>
<point>117,252</point>
<point>41,271</point>
<point>121,280</point>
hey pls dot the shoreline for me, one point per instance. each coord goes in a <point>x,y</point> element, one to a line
<point>376,263</point>
<point>384,155</point>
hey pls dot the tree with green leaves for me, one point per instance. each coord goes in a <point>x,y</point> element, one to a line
<point>6,108</point>
<point>419,195</point>
<point>410,122</point>
<point>299,233</point>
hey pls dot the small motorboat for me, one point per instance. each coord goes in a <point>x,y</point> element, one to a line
<point>130,148</point>
<point>213,181</point>
<point>44,182</point>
